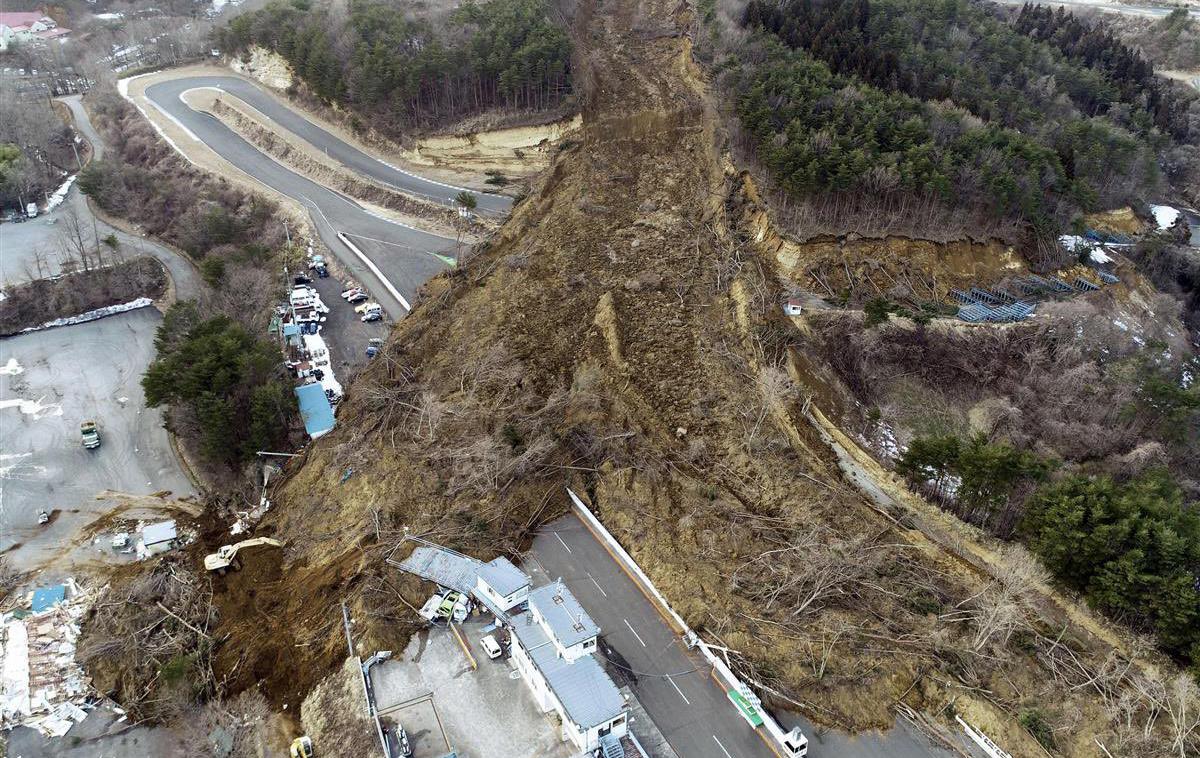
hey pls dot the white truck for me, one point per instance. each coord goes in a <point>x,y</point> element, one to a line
<point>31,210</point>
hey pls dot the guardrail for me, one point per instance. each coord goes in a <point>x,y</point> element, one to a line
<point>793,744</point>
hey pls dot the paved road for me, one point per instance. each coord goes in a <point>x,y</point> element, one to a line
<point>100,735</point>
<point>673,684</point>
<point>49,382</point>
<point>404,255</point>
<point>1121,8</point>
<point>20,242</point>
<point>341,151</point>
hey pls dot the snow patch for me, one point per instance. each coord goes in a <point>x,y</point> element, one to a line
<point>99,313</point>
<point>1071,241</point>
<point>1164,215</point>
<point>60,194</point>
<point>33,408</point>
<point>12,368</point>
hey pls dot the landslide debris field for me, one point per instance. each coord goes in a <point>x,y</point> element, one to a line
<point>621,335</point>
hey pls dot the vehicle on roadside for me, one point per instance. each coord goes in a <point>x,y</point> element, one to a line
<point>351,288</point>
<point>43,517</point>
<point>357,297</point>
<point>302,279</point>
<point>370,316</point>
<point>90,434</point>
<point>406,750</point>
<point>367,307</point>
<point>31,210</point>
<point>491,647</point>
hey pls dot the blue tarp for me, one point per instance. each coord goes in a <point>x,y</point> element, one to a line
<point>48,597</point>
<point>314,409</point>
<point>290,330</point>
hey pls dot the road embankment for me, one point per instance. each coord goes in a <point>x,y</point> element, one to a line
<point>305,159</point>
<point>45,301</point>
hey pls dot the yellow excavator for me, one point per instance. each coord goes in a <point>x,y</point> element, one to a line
<point>225,558</point>
<point>301,748</point>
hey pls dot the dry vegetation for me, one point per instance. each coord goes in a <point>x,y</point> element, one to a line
<point>148,640</point>
<point>622,334</point>
<point>43,300</point>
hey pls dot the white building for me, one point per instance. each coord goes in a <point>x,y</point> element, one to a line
<point>28,26</point>
<point>501,584</point>
<point>552,646</point>
<point>158,538</point>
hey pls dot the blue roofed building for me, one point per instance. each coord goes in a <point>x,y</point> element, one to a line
<point>315,409</point>
<point>46,598</point>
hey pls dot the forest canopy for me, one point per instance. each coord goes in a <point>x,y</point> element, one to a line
<point>416,72</point>
<point>1030,122</point>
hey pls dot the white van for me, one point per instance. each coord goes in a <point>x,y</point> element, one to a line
<point>491,647</point>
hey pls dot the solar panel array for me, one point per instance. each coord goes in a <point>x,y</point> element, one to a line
<point>996,305</point>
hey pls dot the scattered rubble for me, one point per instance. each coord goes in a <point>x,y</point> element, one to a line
<point>42,686</point>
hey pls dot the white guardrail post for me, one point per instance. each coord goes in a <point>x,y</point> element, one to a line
<point>789,744</point>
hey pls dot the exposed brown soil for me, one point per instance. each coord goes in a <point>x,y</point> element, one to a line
<point>622,335</point>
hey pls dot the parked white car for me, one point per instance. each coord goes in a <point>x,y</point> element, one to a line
<point>491,647</point>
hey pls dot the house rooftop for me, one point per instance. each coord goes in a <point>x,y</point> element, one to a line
<point>163,531</point>
<point>588,696</point>
<point>315,409</point>
<point>443,567</point>
<point>502,576</point>
<point>48,597</point>
<point>568,621</point>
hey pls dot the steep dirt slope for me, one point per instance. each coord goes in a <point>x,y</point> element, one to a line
<point>621,337</point>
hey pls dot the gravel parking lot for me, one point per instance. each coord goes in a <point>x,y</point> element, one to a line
<point>49,382</point>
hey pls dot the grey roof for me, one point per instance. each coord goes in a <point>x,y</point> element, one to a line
<point>588,696</point>
<point>567,619</point>
<point>502,576</point>
<point>164,531</point>
<point>445,567</point>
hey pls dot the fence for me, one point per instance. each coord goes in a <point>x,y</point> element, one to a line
<point>791,744</point>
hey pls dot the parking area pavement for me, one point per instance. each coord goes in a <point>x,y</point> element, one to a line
<point>100,734</point>
<point>345,333</point>
<point>485,712</point>
<point>52,380</point>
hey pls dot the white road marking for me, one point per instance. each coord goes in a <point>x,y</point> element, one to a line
<point>560,539</point>
<point>374,269</point>
<point>602,592</point>
<point>689,702</point>
<point>639,639</point>
<point>723,750</point>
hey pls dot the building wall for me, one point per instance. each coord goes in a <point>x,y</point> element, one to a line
<point>505,602</point>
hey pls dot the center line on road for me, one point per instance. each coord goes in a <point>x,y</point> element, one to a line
<point>602,592</point>
<point>560,539</point>
<point>689,702</point>
<point>723,750</point>
<point>639,639</point>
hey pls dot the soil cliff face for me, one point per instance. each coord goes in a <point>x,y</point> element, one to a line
<point>622,335</point>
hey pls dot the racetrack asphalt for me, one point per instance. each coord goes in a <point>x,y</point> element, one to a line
<point>406,257</point>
